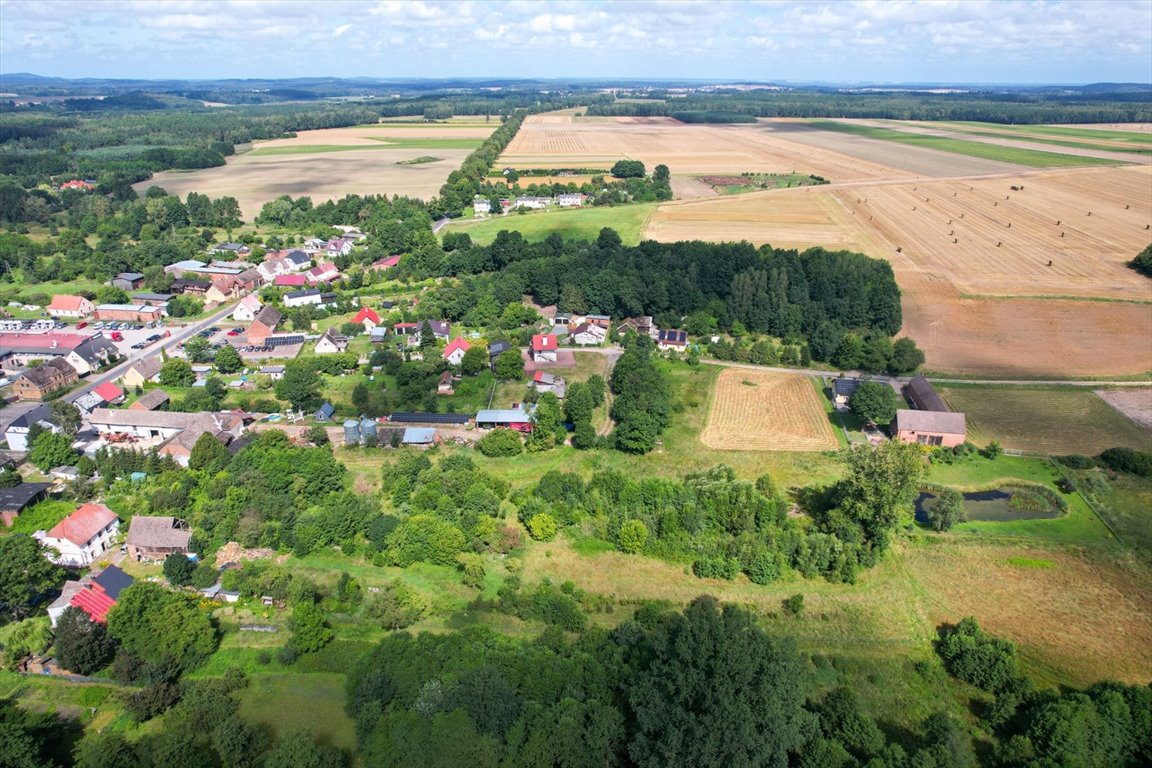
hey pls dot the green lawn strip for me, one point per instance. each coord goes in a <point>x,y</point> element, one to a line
<point>404,142</point>
<point>1065,139</point>
<point>1131,137</point>
<point>577,223</point>
<point>838,425</point>
<point>51,289</point>
<point>290,702</point>
<point>1029,157</point>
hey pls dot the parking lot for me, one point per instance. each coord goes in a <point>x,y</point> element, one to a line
<point>130,337</point>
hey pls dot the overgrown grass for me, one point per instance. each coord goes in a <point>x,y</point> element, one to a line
<point>1124,502</point>
<point>42,516</point>
<point>1029,157</point>
<point>575,223</point>
<point>287,703</point>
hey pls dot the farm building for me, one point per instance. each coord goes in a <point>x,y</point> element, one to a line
<point>519,419</point>
<point>191,286</point>
<point>419,436</point>
<point>128,281</point>
<point>97,596</point>
<point>152,400</point>
<point>289,280</point>
<point>930,427</point>
<point>264,325</point>
<point>70,306</point>
<point>324,412</point>
<point>542,381</point>
<point>154,538</point>
<point>385,264</point>
<point>923,396</point>
<point>303,298</point>
<point>445,385</point>
<point>131,313</point>
<point>81,537</point>
<point>423,417</point>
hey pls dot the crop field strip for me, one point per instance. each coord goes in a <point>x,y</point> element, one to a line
<point>1050,420</point>
<point>765,411</point>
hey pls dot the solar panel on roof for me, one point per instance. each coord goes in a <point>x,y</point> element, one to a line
<point>430,418</point>
<point>283,341</point>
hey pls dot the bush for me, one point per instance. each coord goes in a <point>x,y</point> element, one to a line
<point>978,658</point>
<point>542,527</point>
<point>1077,461</point>
<point>1128,460</point>
<point>633,536</point>
<point>716,568</point>
<point>178,569</point>
<point>794,606</point>
<point>500,442</point>
<point>993,450</point>
<point>947,511</point>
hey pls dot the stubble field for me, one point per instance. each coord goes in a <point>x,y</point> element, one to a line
<point>763,411</point>
<point>331,163</point>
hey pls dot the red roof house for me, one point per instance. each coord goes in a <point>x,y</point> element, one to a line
<point>82,536</point>
<point>368,317</point>
<point>109,392</point>
<point>454,352</point>
<point>291,280</point>
<point>101,593</point>
<point>66,305</point>
<point>544,347</point>
<point>387,263</point>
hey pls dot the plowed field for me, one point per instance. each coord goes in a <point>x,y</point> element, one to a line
<point>764,411</point>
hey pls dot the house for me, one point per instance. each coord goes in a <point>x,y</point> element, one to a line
<point>264,325</point>
<point>642,326</point>
<point>190,285</point>
<point>495,349</point>
<point>331,343</point>
<point>570,199</point>
<point>40,382</point>
<point>587,334</point>
<point>65,473</point>
<point>302,298</point>
<point>64,305</point>
<point>247,309</point>
<point>154,538</point>
<point>162,425</point>
<point>152,400</point>
<point>179,446</point>
<point>368,317</point>
<point>270,268</point>
<point>109,393</point>
<point>274,372</point>
<point>454,352</point>
<point>325,412</point>
<point>323,273</point>
<point>231,249</point>
<point>339,246</point>
<point>441,329</point>
<point>131,313</point>
<point>384,265</point>
<point>128,281</point>
<point>83,352</point>
<point>18,498</point>
<point>216,295</point>
<point>444,386</point>
<point>543,349</point>
<point>405,329</point>
<point>97,596</point>
<point>532,203</point>
<point>17,432</point>
<point>602,321</point>
<point>142,371</point>
<point>941,428</point>
<point>519,418</point>
<point>923,396</point>
<point>78,185</point>
<point>64,602</point>
<point>672,340</point>
<point>297,260</point>
<point>92,354</point>
<point>561,319</point>
<point>290,281</point>
<point>542,381</point>
<point>83,536</point>
<point>379,335</point>
<point>481,205</point>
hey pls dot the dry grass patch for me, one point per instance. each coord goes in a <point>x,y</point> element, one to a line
<point>1136,404</point>
<point>765,411</point>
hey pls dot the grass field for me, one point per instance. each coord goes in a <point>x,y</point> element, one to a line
<point>300,702</point>
<point>1049,420</point>
<point>1029,157</point>
<point>629,222</point>
<point>764,411</point>
<point>385,143</point>
<point>1124,502</point>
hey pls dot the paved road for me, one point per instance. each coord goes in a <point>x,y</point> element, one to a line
<point>176,337</point>
<point>440,224</point>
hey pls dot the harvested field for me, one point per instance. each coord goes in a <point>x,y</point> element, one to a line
<point>1055,421</point>
<point>1136,404</point>
<point>764,411</point>
<point>363,164</point>
<point>556,141</point>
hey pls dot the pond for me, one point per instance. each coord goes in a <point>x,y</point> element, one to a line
<point>995,506</point>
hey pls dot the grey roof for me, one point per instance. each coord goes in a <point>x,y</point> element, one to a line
<point>944,422</point>
<point>148,367</point>
<point>145,296</point>
<point>269,316</point>
<point>419,435</point>
<point>844,386</point>
<point>923,396</point>
<point>272,369</point>
<point>67,592</point>
<point>325,411</point>
<point>503,415</point>
<point>19,496</point>
<point>129,276</point>
<point>497,347</point>
<point>157,532</point>
<point>34,416</point>
<point>96,350</point>
<point>44,375</point>
<point>151,400</point>
<point>302,294</point>
<point>113,581</point>
<point>297,257</point>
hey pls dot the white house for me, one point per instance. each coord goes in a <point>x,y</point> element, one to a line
<point>301,298</point>
<point>533,203</point>
<point>339,246</point>
<point>543,348</point>
<point>70,306</point>
<point>587,334</point>
<point>454,352</point>
<point>330,343</point>
<point>81,537</point>
<point>481,205</point>
<point>246,310</point>
<point>17,432</point>
<point>570,199</point>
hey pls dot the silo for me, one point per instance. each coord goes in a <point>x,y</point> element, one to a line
<point>351,432</point>
<point>368,428</point>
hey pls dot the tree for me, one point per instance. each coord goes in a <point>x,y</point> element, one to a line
<point>298,750</point>
<point>1143,262</point>
<point>500,442</point>
<point>300,385</point>
<point>628,169</point>
<point>111,295</point>
<point>978,658</point>
<point>874,402</point>
<point>712,688</point>
<point>542,527</point>
<point>877,494</point>
<point>51,450</point>
<point>906,357</point>
<point>66,416</point>
<point>228,360</point>
<point>209,454</point>
<point>475,360</point>
<point>178,569</point>
<point>509,365</point>
<point>82,645</point>
<point>427,337</point>
<point>25,575</point>
<point>633,536</point>
<point>176,373</point>
<point>198,350</point>
<point>583,436</point>
<point>947,511</point>
<point>310,632</point>
<point>162,627</point>
<point>317,435</point>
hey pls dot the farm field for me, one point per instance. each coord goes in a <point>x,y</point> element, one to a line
<point>1048,420</point>
<point>574,223</point>
<point>764,411</point>
<point>1058,135</point>
<point>1136,404</point>
<point>330,163</point>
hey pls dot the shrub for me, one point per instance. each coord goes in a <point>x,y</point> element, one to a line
<point>633,536</point>
<point>542,527</point>
<point>716,568</point>
<point>500,442</point>
<point>978,658</point>
<point>993,450</point>
<point>1077,461</point>
<point>1128,460</point>
<point>794,606</point>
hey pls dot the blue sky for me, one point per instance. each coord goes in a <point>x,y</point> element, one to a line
<point>973,41</point>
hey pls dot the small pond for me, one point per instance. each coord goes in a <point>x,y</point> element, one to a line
<point>995,506</point>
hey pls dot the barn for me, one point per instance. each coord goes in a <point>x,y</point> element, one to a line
<point>519,419</point>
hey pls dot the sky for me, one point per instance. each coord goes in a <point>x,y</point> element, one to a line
<point>891,41</point>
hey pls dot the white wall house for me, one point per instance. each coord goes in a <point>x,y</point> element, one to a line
<point>81,537</point>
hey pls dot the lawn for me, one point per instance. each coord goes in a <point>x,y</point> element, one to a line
<point>1048,420</point>
<point>571,224</point>
<point>287,703</point>
<point>1029,157</point>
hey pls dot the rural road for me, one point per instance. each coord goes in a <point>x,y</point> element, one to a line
<point>440,224</point>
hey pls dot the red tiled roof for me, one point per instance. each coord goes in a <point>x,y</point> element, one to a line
<point>387,263</point>
<point>94,602</point>
<point>109,392</point>
<point>80,526</point>
<point>66,303</point>
<point>543,342</point>
<point>63,341</point>
<point>290,280</point>
<point>456,344</point>
<point>366,313</point>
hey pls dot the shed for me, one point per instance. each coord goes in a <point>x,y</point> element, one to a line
<point>923,396</point>
<point>325,412</point>
<point>154,538</point>
<point>16,499</point>
<point>419,436</point>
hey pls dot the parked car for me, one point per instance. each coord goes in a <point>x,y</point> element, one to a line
<point>81,324</point>
<point>117,336</point>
